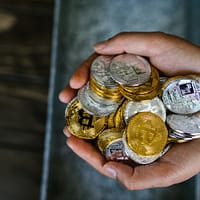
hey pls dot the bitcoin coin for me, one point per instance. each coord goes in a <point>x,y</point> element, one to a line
<point>129,70</point>
<point>94,104</point>
<point>99,71</point>
<point>155,106</point>
<point>140,159</point>
<point>111,145</point>
<point>182,95</point>
<point>81,124</point>
<point>146,134</point>
<point>152,84</point>
<point>189,124</point>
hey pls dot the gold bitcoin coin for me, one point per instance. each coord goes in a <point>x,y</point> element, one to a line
<point>119,116</point>
<point>81,124</point>
<point>107,136</point>
<point>146,134</point>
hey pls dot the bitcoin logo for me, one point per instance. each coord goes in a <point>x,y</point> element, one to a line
<point>85,119</point>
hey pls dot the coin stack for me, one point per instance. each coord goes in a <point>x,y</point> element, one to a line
<point>181,96</point>
<point>100,96</point>
<point>131,112</point>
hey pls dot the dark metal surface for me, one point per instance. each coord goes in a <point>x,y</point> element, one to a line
<point>77,26</point>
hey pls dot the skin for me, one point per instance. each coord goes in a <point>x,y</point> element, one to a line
<point>172,56</point>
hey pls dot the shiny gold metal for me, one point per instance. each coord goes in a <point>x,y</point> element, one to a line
<point>81,124</point>
<point>108,136</point>
<point>146,134</point>
<point>148,90</point>
<point>103,91</point>
<point>149,86</point>
<point>119,116</point>
<point>110,123</point>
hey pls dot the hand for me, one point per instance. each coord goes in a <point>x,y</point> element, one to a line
<point>172,56</point>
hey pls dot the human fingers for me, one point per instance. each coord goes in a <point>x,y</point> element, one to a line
<point>140,43</point>
<point>67,94</point>
<point>177,165</point>
<point>81,75</point>
<point>88,152</point>
<point>170,54</point>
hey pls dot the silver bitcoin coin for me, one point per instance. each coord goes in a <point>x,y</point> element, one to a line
<point>154,105</point>
<point>189,124</point>
<point>182,96</point>
<point>99,71</point>
<point>142,159</point>
<point>95,106</point>
<point>130,70</point>
<point>115,150</point>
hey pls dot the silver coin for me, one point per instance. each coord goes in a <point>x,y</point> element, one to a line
<point>189,124</point>
<point>115,150</point>
<point>154,105</point>
<point>92,106</point>
<point>182,96</point>
<point>142,159</point>
<point>178,137</point>
<point>130,70</point>
<point>99,71</point>
<point>101,100</point>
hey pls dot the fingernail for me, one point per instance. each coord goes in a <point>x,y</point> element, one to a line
<point>66,132</point>
<point>100,45</point>
<point>110,171</point>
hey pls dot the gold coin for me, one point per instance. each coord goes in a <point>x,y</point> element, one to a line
<point>110,93</point>
<point>149,86</point>
<point>111,121</point>
<point>196,77</point>
<point>81,124</point>
<point>119,116</point>
<point>147,96</point>
<point>108,136</point>
<point>103,87</point>
<point>126,94</point>
<point>146,134</point>
<point>116,96</point>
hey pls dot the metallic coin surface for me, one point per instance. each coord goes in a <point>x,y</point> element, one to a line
<point>155,106</point>
<point>189,124</point>
<point>99,70</point>
<point>94,104</point>
<point>129,70</point>
<point>146,134</point>
<point>140,159</point>
<point>182,96</point>
<point>119,116</point>
<point>107,136</point>
<point>152,84</point>
<point>115,150</point>
<point>81,124</point>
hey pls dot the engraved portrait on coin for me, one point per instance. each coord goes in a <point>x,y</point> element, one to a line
<point>129,70</point>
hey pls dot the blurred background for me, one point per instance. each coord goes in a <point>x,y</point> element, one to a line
<point>41,44</point>
<point>25,43</point>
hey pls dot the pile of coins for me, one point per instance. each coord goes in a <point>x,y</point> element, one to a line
<point>131,112</point>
